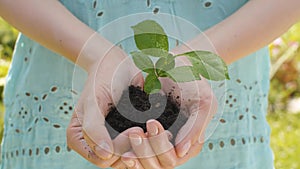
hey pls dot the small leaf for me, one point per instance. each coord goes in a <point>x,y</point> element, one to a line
<point>151,70</point>
<point>150,38</point>
<point>152,84</point>
<point>142,61</point>
<point>208,64</point>
<point>182,74</point>
<point>165,63</point>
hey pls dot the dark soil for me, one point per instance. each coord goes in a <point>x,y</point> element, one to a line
<point>136,107</point>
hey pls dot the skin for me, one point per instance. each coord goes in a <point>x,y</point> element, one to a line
<point>269,19</point>
<point>255,25</point>
<point>52,31</point>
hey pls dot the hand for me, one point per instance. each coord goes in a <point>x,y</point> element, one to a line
<point>86,133</point>
<point>155,150</point>
<point>199,103</point>
<point>151,150</point>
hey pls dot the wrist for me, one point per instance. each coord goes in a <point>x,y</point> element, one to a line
<point>94,49</point>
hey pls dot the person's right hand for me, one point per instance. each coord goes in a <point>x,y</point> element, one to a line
<point>86,133</point>
<point>155,151</point>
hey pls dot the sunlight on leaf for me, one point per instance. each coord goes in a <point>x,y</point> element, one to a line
<point>181,74</point>
<point>209,65</point>
<point>150,38</point>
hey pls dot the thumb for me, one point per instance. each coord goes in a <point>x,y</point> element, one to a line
<point>138,80</point>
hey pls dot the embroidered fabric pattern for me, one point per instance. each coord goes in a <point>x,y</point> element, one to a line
<point>40,100</point>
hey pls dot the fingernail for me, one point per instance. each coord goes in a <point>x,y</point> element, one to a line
<point>152,129</point>
<point>129,163</point>
<point>185,149</point>
<point>135,139</point>
<point>104,150</point>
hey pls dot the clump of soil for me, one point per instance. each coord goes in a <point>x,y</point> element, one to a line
<point>136,107</point>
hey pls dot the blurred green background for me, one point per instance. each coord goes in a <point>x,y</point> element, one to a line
<point>284,97</point>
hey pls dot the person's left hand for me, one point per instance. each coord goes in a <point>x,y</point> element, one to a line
<point>87,133</point>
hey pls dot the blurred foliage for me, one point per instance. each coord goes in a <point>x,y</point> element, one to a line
<point>285,85</point>
<point>285,139</point>
<point>285,71</point>
<point>8,36</point>
<point>1,121</point>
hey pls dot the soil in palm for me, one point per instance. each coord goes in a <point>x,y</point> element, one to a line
<point>136,107</point>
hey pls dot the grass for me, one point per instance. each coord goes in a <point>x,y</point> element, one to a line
<point>285,139</point>
<point>1,120</point>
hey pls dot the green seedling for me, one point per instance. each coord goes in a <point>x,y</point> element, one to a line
<point>152,42</point>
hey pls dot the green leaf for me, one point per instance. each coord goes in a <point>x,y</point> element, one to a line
<point>150,38</point>
<point>208,64</point>
<point>152,84</point>
<point>161,73</point>
<point>182,74</point>
<point>165,63</point>
<point>142,61</point>
<point>198,68</point>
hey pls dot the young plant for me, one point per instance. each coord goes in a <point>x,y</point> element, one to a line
<point>153,44</point>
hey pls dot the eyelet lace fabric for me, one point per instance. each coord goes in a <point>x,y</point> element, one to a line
<point>39,97</point>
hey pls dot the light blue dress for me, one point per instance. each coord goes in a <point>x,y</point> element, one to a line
<point>39,94</point>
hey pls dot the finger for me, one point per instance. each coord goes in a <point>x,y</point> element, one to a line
<point>189,134</point>
<point>162,147</point>
<point>94,129</point>
<point>131,161</point>
<point>194,129</point>
<point>103,162</point>
<point>193,152</point>
<point>142,149</point>
<point>121,145</point>
<point>196,148</point>
<point>77,143</point>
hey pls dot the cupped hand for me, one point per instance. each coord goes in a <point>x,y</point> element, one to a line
<point>154,150</point>
<point>151,150</point>
<point>199,104</point>
<point>86,133</point>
